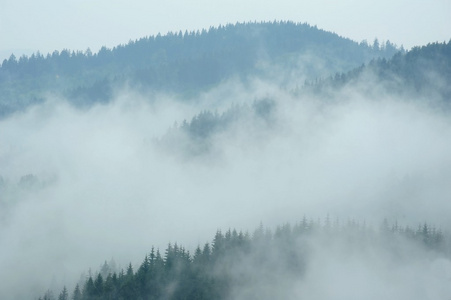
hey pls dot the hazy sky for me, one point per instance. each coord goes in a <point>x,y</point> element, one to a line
<point>27,26</point>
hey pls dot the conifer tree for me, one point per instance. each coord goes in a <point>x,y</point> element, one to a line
<point>63,295</point>
<point>77,293</point>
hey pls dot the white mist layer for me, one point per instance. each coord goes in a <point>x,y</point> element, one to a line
<point>346,263</point>
<point>102,191</point>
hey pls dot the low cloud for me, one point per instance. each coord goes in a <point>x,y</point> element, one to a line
<point>99,189</point>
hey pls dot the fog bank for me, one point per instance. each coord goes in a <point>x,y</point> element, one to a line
<point>79,187</point>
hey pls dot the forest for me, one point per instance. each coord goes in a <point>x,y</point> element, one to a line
<point>421,72</point>
<point>237,265</point>
<point>185,63</point>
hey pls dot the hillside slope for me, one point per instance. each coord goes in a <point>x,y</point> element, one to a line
<point>183,63</point>
<point>422,72</point>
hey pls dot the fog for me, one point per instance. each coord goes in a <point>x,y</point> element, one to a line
<point>79,187</point>
<point>336,266</point>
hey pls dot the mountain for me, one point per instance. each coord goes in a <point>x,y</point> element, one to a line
<point>182,63</point>
<point>421,72</point>
<point>250,144</point>
<point>424,73</point>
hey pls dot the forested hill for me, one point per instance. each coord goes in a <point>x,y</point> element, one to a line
<point>423,71</point>
<point>180,62</point>
<point>264,265</point>
<point>422,74</point>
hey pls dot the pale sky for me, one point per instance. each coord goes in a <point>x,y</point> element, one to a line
<point>47,25</point>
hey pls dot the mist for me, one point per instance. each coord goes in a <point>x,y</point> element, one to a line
<point>79,187</point>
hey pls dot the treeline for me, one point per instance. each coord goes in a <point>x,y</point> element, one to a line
<point>177,62</point>
<point>196,136</point>
<point>237,43</point>
<point>235,259</point>
<point>422,71</point>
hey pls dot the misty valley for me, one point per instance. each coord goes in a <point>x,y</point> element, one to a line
<point>259,160</point>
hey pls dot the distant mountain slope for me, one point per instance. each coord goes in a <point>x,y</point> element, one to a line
<point>197,137</point>
<point>180,62</point>
<point>423,71</point>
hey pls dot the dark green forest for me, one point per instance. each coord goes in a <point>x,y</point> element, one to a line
<point>236,259</point>
<point>181,62</point>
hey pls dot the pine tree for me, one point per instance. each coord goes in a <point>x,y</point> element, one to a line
<point>48,295</point>
<point>218,244</point>
<point>77,293</point>
<point>89,289</point>
<point>63,295</point>
<point>98,285</point>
